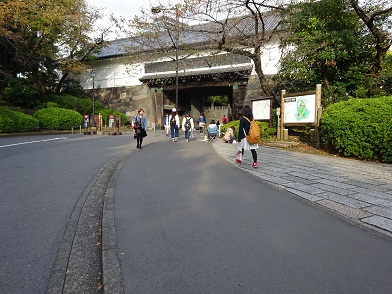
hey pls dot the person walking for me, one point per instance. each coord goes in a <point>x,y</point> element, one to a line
<point>243,131</point>
<point>139,124</point>
<point>187,125</point>
<point>202,123</point>
<point>174,122</point>
<point>166,124</point>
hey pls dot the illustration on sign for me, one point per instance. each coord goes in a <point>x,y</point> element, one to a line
<point>300,109</point>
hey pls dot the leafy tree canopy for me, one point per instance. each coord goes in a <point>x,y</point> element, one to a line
<point>326,43</point>
<point>39,37</point>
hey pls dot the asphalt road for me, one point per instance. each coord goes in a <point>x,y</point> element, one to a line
<point>42,180</point>
<point>186,222</point>
<point>189,222</point>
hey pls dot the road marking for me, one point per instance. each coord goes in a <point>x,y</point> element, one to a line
<point>31,142</point>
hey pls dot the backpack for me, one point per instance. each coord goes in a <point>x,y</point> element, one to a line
<point>173,120</point>
<point>254,132</point>
<point>188,124</point>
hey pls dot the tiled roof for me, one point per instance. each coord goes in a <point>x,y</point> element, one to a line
<point>196,35</point>
<point>216,71</point>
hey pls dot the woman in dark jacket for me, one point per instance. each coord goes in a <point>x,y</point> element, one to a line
<point>139,124</point>
<point>243,131</point>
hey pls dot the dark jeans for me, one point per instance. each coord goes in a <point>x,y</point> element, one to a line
<point>174,131</point>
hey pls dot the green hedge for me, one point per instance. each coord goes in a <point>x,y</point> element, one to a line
<point>265,131</point>
<point>58,118</point>
<point>20,92</point>
<point>80,104</point>
<point>16,122</point>
<point>359,128</point>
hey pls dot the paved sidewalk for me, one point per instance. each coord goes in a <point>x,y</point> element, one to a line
<point>359,191</point>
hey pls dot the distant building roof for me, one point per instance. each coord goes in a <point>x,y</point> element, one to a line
<point>196,35</point>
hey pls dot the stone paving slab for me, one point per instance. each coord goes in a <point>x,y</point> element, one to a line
<point>353,213</point>
<point>272,172</point>
<point>381,211</point>
<point>336,184</point>
<point>361,191</point>
<point>385,188</point>
<point>297,179</point>
<point>274,168</point>
<point>368,192</point>
<point>275,180</point>
<point>304,195</point>
<point>333,189</point>
<point>305,175</point>
<point>372,200</point>
<point>370,185</point>
<point>344,200</point>
<point>380,222</point>
<point>304,188</point>
<point>328,175</point>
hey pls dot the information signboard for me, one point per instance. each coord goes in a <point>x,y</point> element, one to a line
<point>300,109</point>
<point>261,109</point>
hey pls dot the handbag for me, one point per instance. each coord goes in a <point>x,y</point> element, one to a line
<point>135,126</point>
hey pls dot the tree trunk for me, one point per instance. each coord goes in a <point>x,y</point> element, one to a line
<point>61,81</point>
<point>383,42</point>
<point>265,86</point>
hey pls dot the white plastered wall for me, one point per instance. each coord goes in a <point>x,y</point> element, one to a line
<point>115,73</point>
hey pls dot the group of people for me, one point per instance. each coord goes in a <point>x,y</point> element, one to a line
<point>172,124</point>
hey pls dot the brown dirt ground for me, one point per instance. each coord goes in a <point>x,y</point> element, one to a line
<point>303,145</point>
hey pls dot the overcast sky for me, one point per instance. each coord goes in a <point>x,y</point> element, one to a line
<point>126,8</point>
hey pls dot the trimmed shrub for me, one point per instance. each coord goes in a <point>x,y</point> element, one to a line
<point>16,122</point>
<point>359,128</point>
<point>83,105</point>
<point>20,92</point>
<point>51,105</point>
<point>58,118</point>
<point>265,131</point>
